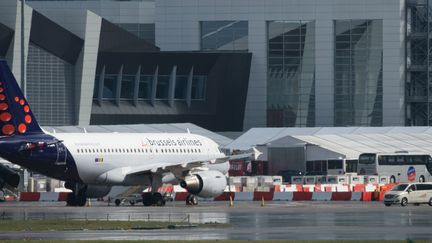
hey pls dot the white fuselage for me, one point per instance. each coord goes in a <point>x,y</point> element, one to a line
<point>98,153</point>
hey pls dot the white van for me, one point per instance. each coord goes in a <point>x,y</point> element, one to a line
<point>405,193</point>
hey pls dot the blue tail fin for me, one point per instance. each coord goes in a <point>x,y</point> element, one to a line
<point>15,114</point>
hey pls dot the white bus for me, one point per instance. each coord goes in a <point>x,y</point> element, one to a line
<point>400,167</point>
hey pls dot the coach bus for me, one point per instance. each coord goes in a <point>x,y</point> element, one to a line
<point>400,167</point>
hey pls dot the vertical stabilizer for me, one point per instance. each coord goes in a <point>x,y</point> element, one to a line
<point>15,114</point>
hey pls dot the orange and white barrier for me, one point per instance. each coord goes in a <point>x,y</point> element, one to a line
<point>292,192</point>
<point>43,196</point>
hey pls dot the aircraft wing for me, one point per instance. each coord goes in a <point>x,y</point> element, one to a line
<point>165,167</point>
<point>179,168</point>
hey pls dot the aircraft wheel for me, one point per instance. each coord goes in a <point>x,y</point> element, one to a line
<point>158,199</point>
<point>147,199</point>
<point>81,200</point>
<point>191,200</point>
<point>70,201</point>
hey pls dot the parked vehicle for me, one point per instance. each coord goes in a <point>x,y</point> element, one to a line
<point>138,198</point>
<point>405,193</point>
<point>400,166</point>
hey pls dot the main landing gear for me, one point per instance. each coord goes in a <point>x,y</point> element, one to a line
<point>191,200</point>
<point>78,196</point>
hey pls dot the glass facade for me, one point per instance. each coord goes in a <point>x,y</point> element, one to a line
<point>50,88</point>
<point>109,87</point>
<point>162,88</point>
<point>291,73</point>
<point>143,31</point>
<point>198,87</point>
<point>145,87</point>
<point>358,79</point>
<point>180,92</point>
<point>224,35</point>
<point>127,87</point>
<point>418,84</point>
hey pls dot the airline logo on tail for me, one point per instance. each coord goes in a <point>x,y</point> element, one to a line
<point>15,114</point>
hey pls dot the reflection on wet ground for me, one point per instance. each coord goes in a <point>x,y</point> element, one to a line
<point>247,220</point>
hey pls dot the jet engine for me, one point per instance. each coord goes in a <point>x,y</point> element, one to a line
<point>94,191</point>
<point>209,183</point>
<point>8,176</point>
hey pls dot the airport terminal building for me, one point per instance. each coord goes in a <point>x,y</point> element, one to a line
<point>225,65</point>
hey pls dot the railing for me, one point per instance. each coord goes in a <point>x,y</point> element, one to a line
<point>88,216</point>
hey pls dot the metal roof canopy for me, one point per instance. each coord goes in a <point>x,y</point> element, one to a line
<point>143,128</point>
<point>350,141</point>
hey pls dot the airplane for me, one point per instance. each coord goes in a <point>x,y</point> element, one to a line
<point>91,163</point>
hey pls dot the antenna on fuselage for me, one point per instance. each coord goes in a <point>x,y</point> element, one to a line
<point>188,130</point>
<point>85,130</point>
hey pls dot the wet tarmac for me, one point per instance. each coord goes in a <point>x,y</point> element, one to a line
<point>247,221</point>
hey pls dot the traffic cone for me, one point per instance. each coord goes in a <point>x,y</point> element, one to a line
<point>231,203</point>
<point>262,201</point>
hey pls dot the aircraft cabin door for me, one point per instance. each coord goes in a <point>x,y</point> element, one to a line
<point>61,154</point>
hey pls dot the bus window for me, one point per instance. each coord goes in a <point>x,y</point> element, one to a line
<point>400,160</point>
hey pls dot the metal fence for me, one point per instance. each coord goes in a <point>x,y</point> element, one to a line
<point>86,216</point>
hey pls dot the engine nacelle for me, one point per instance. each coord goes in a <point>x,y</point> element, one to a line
<point>209,183</point>
<point>8,176</point>
<point>94,191</point>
